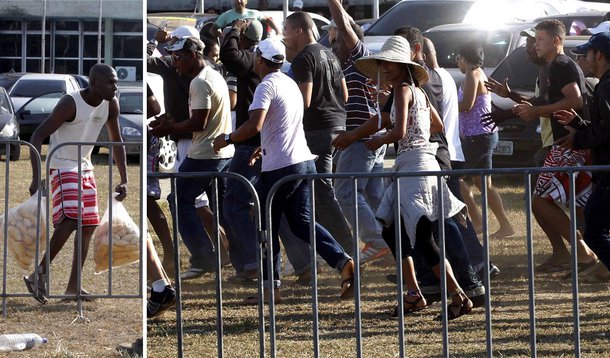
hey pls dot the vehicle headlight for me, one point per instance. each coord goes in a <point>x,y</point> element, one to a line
<point>9,129</point>
<point>132,132</point>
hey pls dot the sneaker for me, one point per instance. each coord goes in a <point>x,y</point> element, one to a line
<point>371,253</point>
<point>193,273</point>
<point>160,301</point>
<point>135,349</point>
<point>493,271</point>
<point>477,296</point>
<point>287,268</point>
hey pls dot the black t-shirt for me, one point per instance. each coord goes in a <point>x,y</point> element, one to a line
<point>241,64</point>
<point>175,89</point>
<point>563,71</point>
<point>318,65</point>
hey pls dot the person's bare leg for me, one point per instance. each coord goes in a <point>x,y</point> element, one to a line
<point>60,235</point>
<point>550,217</point>
<point>410,282</point>
<point>457,294</point>
<point>154,268</point>
<point>497,208</point>
<point>473,210</point>
<point>159,223</point>
<point>87,232</point>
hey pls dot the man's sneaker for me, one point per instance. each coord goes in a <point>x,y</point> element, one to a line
<point>493,271</point>
<point>371,253</point>
<point>135,349</point>
<point>160,301</point>
<point>193,273</point>
<point>477,296</point>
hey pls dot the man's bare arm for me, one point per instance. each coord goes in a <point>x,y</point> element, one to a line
<point>65,110</point>
<point>118,151</point>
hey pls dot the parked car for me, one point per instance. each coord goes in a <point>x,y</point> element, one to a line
<point>577,23</point>
<point>35,111</point>
<point>35,84</point>
<point>8,79</point>
<point>9,127</point>
<point>520,140</point>
<point>426,14</point>
<point>131,119</point>
<point>497,41</point>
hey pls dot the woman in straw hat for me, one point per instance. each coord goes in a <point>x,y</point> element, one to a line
<point>413,119</point>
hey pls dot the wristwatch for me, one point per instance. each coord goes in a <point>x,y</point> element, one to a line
<point>228,138</point>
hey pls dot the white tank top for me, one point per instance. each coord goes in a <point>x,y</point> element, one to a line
<point>86,126</point>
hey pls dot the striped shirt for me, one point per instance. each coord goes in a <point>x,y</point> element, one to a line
<point>359,107</point>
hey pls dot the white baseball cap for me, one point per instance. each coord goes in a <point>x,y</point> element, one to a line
<point>272,49</point>
<point>297,4</point>
<point>601,27</point>
<point>185,31</point>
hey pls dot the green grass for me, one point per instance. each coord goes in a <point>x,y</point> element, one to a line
<point>108,322</point>
<point>510,318</point>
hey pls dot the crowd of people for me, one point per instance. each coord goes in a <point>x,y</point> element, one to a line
<point>301,108</point>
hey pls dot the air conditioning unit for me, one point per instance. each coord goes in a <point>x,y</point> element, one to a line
<point>126,73</point>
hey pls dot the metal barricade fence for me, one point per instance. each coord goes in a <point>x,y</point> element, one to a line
<point>44,191</point>
<point>266,248</point>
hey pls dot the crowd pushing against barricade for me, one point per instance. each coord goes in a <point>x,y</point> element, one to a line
<point>301,108</point>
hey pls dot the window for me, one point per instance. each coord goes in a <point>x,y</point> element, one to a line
<point>131,102</point>
<point>447,43</point>
<point>520,71</point>
<point>36,87</point>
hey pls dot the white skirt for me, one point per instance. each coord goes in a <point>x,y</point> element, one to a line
<point>419,195</point>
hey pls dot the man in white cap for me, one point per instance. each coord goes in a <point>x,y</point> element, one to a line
<point>238,12</point>
<point>209,116</point>
<point>277,111</point>
<point>603,26</point>
<point>238,58</point>
<point>297,5</point>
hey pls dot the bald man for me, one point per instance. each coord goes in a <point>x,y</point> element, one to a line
<point>77,117</point>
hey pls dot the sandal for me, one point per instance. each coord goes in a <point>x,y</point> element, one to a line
<point>253,300</point>
<point>411,306</point>
<point>347,288</point>
<point>455,310</point>
<point>41,297</point>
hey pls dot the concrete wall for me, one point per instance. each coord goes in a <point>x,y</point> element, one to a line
<point>116,9</point>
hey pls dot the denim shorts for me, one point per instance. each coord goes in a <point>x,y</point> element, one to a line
<point>478,150</point>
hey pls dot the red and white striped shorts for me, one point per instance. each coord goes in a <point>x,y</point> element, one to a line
<point>556,186</point>
<point>64,188</point>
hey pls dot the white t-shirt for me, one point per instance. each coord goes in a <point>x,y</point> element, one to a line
<point>208,90</point>
<point>450,116</point>
<point>282,136</point>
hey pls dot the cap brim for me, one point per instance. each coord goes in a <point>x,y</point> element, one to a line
<point>327,27</point>
<point>581,49</point>
<point>369,67</point>
<point>528,33</point>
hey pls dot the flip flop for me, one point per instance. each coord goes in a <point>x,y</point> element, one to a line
<point>496,236</point>
<point>41,297</point>
<point>548,267</point>
<point>347,288</point>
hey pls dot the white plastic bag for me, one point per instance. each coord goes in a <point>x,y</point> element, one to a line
<point>125,239</point>
<point>22,230</point>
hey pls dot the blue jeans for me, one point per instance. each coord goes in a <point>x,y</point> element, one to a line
<point>328,211</point>
<point>191,229</point>
<point>597,223</point>
<point>292,200</point>
<point>357,158</point>
<point>238,209</point>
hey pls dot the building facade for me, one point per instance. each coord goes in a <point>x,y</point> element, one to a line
<point>74,37</point>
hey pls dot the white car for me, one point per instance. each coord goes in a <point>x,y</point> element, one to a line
<point>37,84</point>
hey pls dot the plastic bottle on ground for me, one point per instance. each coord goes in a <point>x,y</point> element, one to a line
<point>20,342</point>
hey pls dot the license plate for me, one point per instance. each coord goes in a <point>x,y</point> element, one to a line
<point>504,147</point>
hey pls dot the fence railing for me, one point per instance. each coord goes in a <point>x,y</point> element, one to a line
<point>266,248</point>
<point>44,191</point>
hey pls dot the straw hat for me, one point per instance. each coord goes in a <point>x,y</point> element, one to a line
<point>395,49</point>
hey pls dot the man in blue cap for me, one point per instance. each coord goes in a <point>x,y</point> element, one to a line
<point>595,137</point>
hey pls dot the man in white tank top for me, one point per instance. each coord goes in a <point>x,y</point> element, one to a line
<point>77,117</point>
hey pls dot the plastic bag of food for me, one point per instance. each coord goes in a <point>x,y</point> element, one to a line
<point>125,239</point>
<point>21,222</point>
